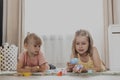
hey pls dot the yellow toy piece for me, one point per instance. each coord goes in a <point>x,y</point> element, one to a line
<point>26,73</point>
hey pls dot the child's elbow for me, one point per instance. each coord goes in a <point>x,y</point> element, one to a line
<point>44,67</point>
<point>98,69</point>
<point>19,70</point>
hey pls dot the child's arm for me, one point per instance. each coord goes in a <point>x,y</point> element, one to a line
<point>35,69</point>
<point>70,67</point>
<point>25,69</point>
<point>40,68</point>
<point>20,64</point>
<point>44,67</point>
<point>96,60</point>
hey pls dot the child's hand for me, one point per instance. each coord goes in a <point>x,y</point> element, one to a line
<point>70,67</point>
<point>44,67</point>
<point>84,70</point>
<point>78,68</point>
<point>35,69</point>
<point>27,69</point>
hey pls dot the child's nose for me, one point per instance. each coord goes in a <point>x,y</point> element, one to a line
<point>80,46</point>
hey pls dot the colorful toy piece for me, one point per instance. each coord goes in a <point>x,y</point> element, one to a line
<point>74,61</point>
<point>48,72</point>
<point>26,73</point>
<point>64,71</point>
<point>59,73</point>
<point>78,67</point>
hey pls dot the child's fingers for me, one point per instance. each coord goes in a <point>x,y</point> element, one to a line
<point>79,71</point>
<point>27,67</point>
<point>70,65</point>
<point>75,69</point>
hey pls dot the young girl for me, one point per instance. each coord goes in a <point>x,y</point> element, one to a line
<point>32,60</point>
<point>88,57</point>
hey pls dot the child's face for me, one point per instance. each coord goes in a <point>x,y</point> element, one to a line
<point>33,48</point>
<point>81,44</point>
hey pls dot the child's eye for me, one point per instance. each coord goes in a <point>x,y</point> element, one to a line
<point>35,45</point>
<point>77,43</point>
<point>83,43</point>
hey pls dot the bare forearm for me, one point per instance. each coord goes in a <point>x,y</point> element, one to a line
<point>97,69</point>
<point>44,67</point>
<point>70,67</point>
<point>23,70</point>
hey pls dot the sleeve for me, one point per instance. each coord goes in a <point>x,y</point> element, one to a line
<point>41,58</point>
<point>21,59</point>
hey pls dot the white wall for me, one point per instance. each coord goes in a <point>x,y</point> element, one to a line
<point>65,17</point>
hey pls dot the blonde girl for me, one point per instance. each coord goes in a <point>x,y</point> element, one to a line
<point>32,59</point>
<point>87,54</point>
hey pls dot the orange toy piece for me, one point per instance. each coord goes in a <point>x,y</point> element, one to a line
<point>59,73</point>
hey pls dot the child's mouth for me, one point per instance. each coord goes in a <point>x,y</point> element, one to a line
<point>36,51</point>
<point>81,49</point>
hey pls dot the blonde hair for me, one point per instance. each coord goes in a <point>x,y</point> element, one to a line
<point>33,36</point>
<point>82,32</point>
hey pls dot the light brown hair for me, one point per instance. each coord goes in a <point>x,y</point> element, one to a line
<point>33,36</point>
